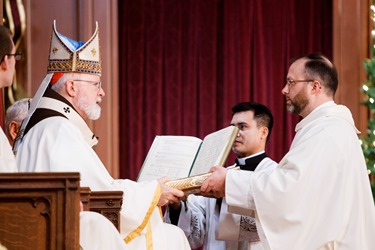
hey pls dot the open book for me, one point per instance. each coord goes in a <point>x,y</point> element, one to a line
<point>185,159</point>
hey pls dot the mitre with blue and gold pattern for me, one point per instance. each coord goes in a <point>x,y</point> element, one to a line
<point>67,55</point>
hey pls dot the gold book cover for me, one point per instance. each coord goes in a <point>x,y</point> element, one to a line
<point>189,185</point>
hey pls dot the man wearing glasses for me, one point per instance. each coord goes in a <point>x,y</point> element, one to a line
<point>7,67</point>
<point>56,138</point>
<point>319,195</point>
<point>17,56</point>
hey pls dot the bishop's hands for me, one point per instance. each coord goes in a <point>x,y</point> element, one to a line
<point>214,185</point>
<point>169,195</point>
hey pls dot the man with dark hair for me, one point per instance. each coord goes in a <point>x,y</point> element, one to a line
<point>319,195</point>
<point>8,57</point>
<point>6,42</point>
<point>206,221</point>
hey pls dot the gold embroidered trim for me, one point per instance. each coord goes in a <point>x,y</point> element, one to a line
<point>67,66</point>
<point>74,62</point>
<point>149,237</point>
<point>146,220</point>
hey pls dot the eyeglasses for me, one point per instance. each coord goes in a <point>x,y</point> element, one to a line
<point>17,56</point>
<point>96,84</point>
<point>290,82</point>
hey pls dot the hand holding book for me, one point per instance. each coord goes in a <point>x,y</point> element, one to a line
<point>187,160</point>
<point>214,185</point>
<point>168,194</point>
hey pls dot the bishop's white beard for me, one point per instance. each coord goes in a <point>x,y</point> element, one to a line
<point>92,110</point>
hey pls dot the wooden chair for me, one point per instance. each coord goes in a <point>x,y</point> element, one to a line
<point>107,203</point>
<point>39,211</point>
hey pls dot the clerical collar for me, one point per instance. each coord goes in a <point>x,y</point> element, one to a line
<point>251,162</point>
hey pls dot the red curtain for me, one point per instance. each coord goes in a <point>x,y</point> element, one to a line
<point>183,64</point>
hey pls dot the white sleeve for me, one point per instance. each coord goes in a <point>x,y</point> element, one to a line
<point>192,220</point>
<point>97,232</point>
<point>238,186</point>
<point>7,159</point>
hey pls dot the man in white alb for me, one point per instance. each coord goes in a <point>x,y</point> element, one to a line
<point>206,221</point>
<point>319,195</point>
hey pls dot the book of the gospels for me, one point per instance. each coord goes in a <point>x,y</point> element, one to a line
<point>186,160</point>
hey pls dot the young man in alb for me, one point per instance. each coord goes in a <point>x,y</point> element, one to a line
<point>206,221</point>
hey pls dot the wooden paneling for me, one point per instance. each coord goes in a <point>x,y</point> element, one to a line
<point>351,48</point>
<point>39,211</point>
<point>107,203</point>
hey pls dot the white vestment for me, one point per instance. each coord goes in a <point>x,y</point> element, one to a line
<point>7,160</point>
<point>57,144</point>
<point>98,233</point>
<point>213,227</point>
<point>319,196</point>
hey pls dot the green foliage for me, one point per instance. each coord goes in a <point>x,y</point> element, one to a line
<point>368,140</point>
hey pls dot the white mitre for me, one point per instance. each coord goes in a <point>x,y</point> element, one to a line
<point>67,55</point>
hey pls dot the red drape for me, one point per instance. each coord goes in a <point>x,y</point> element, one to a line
<point>183,64</point>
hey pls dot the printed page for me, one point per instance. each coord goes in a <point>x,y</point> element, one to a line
<point>214,150</point>
<point>170,156</point>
